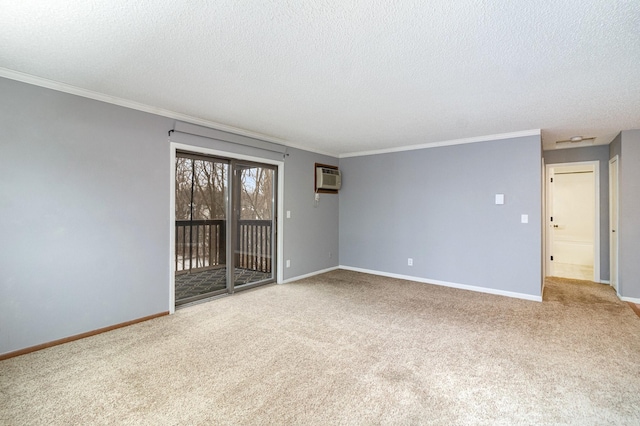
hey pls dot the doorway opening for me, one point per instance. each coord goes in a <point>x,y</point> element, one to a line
<point>224,236</point>
<point>573,221</point>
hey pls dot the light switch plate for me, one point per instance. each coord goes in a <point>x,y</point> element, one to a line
<point>288,214</point>
<point>499,198</point>
<point>524,218</point>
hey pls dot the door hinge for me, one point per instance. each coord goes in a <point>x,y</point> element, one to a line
<point>551,257</point>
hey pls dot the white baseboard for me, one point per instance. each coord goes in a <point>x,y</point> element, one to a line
<point>630,299</point>
<point>447,284</point>
<point>607,282</point>
<point>310,274</point>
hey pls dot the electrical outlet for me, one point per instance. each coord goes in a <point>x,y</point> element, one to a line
<point>288,263</point>
<point>329,255</point>
<point>410,262</point>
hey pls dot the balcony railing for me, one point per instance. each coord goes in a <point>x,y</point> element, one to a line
<point>201,244</point>
<point>254,240</point>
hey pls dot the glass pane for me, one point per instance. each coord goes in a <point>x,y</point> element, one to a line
<point>184,176</point>
<point>255,243</point>
<point>201,228</point>
<point>209,191</point>
<point>257,194</point>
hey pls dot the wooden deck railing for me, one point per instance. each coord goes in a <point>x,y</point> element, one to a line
<point>254,238</point>
<point>201,244</point>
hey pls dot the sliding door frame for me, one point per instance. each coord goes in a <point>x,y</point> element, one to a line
<point>279,223</point>
<point>235,207</point>
<point>228,223</point>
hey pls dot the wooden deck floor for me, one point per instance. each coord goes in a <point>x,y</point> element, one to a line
<point>196,284</point>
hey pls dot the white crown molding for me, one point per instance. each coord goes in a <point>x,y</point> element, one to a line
<point>73,90</point>
<point>306,148</point>
<point>533,132</point>
<point>497,292</point>
<point>126,103</point>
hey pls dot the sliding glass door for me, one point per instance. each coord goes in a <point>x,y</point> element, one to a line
<point>254,219</point>
<point>201,227</point>
<point>225,236</point>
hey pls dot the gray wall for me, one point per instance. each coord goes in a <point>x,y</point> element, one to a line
<point>312,245</point>
<point>592,153</point>
<point>615,148</point>
<point>437,206</point>
<point>629,216</point>
<point>84,202</point>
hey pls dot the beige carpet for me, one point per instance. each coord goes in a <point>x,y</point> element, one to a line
<point>347,348</point>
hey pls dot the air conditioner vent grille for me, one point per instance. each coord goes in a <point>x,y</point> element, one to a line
<point>327,178</point>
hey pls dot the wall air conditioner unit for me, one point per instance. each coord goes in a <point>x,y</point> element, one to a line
<point>327,178</point>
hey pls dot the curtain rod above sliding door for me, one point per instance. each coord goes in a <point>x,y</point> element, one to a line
<point>205,132</point>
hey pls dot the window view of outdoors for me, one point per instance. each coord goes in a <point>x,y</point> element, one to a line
<point>205,189</point>
<point>257,193</point>
<point>201,188</point>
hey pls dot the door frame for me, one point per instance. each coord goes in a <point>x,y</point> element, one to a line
<point>174,147</point>
<point>614,277</point>
<point>549,204</point>
<point>234,206</point>
<point>543,218</point>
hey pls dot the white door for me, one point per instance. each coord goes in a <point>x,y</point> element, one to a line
<point>572,222</point>
<point>613,222</point>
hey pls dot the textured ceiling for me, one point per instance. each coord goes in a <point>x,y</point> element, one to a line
<point>341,76</point>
